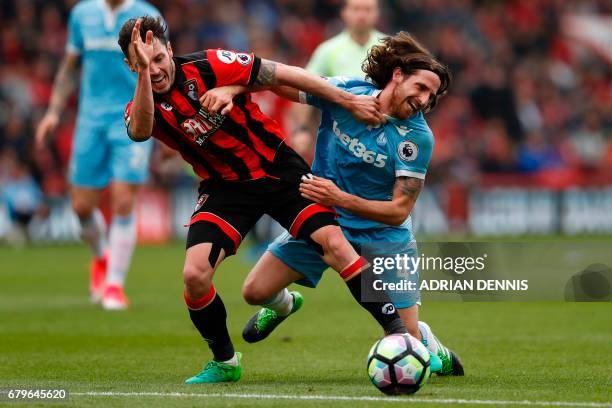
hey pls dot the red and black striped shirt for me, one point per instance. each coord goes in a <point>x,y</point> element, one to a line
<point>236,147</point>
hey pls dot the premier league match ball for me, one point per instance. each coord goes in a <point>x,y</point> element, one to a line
<point>398,364</point>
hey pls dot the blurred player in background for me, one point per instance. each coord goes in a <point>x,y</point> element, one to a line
<point>341,55</point>
<point>344,53</point>
<point>246,168</point>
<point>372,176</point>
<point>101,152</point>
<point>22,198</point>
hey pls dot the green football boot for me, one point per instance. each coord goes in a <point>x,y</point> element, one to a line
<point>265,320</point>
<point>451,365</point>
<point>216,372</point>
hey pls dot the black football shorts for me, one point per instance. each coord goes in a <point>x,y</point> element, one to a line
<point>226,211</point>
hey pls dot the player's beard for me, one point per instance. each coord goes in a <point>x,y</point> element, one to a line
<point>414,105</point>
<point>403,107</point>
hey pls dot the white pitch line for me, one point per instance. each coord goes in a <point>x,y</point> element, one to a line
<point>343,398</point>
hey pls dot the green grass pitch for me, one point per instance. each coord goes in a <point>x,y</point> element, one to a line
<point>51,337</point>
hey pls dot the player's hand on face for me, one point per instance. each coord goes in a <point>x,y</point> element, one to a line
<point>220,100</point>
<point>47,125</point>
<point>366,109</point>
<point>143,50</point>
<point>320,190</point>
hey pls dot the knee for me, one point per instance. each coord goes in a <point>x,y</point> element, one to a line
<point>197,279</point>
<point>123,206</point>
<point>334,243</point>
<point>253,293</point>
<point>82,208</point>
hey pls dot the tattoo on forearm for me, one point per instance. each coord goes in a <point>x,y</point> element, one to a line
<point>62,88</point>
<point>267,73</point>
<point>410,186</point>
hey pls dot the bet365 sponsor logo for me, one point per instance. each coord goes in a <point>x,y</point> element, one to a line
<point>359,149</point>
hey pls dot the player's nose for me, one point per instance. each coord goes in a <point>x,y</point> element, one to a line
<point>153,69</point>
<point>423,100</point>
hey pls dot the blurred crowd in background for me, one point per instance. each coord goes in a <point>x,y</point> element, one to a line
<point>525,99</point>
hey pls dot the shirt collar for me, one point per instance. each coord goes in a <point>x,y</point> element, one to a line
<point>110,15</point>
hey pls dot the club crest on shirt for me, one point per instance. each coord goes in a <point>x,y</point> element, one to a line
<point>126,115</point>
<point>226,57</point>
<point>200,202</point>
<point>201,126</point>
<point>191,89</point>
<point>407,150</point>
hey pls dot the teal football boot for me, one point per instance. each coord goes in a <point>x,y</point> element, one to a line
<point>217,372</point>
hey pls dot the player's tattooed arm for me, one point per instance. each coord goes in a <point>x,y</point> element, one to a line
<point>393,212</point>
<point>63,86</point>
<point>65,82</point>
<point>273,74</point>
<point>405,193</point>
<point>267,73</point>
<point>220,99</point>
<point>266,80</point>
<point>410,187</point>
<point>286,80</point>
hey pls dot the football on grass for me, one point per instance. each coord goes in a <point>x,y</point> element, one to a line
<point>398,364</point>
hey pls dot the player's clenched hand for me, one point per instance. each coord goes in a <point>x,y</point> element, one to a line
<point>366,108</point>
<point>220,100</point>
<point>47,125</point>
<point>321,190</point>
<point>142,50</point>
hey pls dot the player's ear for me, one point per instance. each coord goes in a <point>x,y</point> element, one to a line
<point>398,75</point>
<point>129,65</point>
<point>127,59</point>
<point>170,52</point>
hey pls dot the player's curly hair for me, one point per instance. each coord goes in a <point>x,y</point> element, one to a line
<point>157,26</point>
<point>405,52</point>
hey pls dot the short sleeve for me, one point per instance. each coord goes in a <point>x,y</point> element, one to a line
<point>74,44</point>
<point>412,152</point>
<point>231,68</point>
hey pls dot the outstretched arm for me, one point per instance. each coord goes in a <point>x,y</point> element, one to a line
<point>394,212</point>
<point>272,74</point>
<point>286,80</point>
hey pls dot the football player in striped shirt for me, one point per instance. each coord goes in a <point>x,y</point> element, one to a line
<point>246,168</point>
